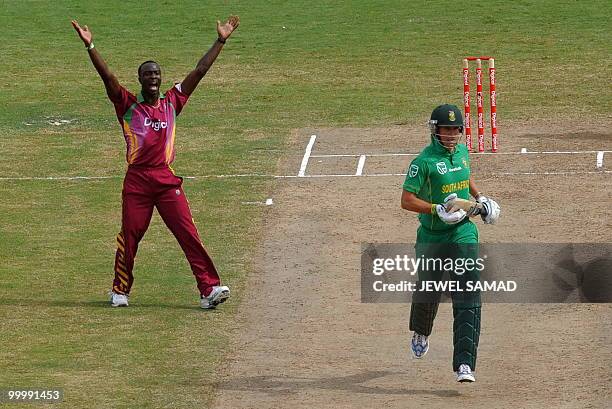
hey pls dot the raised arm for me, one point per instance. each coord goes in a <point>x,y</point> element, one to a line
<point>224,30</point>
<point>113,88</point>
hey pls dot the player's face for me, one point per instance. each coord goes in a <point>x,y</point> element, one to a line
<point>150,78</point>
<point>449,136</point>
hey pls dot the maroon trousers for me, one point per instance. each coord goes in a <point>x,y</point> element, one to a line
<point>143,189</point>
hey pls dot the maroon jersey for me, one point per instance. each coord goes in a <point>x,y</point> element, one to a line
<point>149,130</point>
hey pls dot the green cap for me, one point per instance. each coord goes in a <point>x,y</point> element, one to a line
<point>446,115</point>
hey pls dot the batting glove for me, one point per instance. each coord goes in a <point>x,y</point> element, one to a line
<point>492,210</point>
<point>445,215</point>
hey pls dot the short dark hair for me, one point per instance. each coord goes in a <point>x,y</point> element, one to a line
<point>146,62</point>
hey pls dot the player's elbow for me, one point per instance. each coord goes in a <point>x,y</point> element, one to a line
<point>113,88</point>
<point>409,206</point>
<point>406,203</point>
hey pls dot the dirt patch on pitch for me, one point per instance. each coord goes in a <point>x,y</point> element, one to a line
<point>306,340</point>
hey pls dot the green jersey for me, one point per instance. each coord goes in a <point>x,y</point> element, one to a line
<point>435,174</point>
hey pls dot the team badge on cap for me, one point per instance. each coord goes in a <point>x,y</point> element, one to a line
<point>451,116</point>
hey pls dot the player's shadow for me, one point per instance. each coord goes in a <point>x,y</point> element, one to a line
<point>282,386</point>
<point>592,279</point>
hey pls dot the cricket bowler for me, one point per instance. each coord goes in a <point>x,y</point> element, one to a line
<point>439,174</point>
<point>148,121</point>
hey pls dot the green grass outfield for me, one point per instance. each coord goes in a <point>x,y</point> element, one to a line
<point>290,65</point>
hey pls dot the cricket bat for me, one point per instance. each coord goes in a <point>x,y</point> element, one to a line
<point>471,207</point>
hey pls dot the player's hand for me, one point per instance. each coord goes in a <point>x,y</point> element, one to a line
<point>492,210</point>
<point>83,33</point>
<point>226,29</point>
<point>448,217</point>
<point>471,208</point>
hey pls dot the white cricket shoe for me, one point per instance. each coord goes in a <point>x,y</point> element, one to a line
<point>419,345</point>
<point>218,295</point>
<point>118,300</point>
<point>465,374</point>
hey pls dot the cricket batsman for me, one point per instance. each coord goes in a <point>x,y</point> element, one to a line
<point>437,176</point>
<point>148,122</point>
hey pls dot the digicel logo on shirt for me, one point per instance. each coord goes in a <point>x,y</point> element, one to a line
<point>156,125</point>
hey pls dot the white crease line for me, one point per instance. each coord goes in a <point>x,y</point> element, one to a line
<point>268,202</point>
<point>587,172</point>
<point>523,151</point>
<point>600,156</point>
<point>59,177</point>
<point>339,155</point>
<point>259,175</point>
<point>306,157</point>
<point>360,165</point>
<point>558,152</point>
<point>350,155</point>
<point>596,172</point>
<point>238,175</point>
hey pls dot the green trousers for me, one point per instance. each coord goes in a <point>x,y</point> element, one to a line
<point>460,242</point>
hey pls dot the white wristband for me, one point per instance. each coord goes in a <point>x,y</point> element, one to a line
<point>90,46</point>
